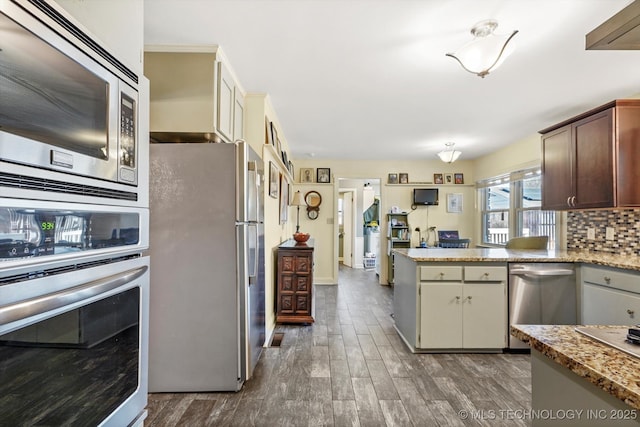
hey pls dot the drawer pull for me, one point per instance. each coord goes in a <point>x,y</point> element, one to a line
<point>630,312</point>
<point>607,279</point>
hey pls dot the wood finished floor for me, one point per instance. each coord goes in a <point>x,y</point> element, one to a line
<point>350,368</point>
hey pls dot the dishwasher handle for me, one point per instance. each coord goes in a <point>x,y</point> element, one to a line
<point>521,270</point>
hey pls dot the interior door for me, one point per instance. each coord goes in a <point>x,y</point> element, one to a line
<point>347,216</point>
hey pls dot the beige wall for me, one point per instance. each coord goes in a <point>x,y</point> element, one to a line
<point>324,229</point>
<point>257,108</point>
<point>522,154</point>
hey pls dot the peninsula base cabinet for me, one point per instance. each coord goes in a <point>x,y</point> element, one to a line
<point>466,316</point>
<point>610,296</point>
<point>451,306</point>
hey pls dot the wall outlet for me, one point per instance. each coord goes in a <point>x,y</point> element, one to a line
<point>610,234</point>
<point>591,234</point>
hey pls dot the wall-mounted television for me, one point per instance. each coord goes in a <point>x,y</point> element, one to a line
<point>425,196</point>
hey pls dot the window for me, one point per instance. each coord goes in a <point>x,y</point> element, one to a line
<point>511,207</point>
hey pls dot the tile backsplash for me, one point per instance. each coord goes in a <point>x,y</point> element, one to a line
<point>625,224</point>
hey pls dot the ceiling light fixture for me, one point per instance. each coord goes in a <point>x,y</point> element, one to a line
<point>449,155</point>
<point>486,51</point>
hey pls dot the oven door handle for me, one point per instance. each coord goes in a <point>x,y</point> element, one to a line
<point>25,309</point>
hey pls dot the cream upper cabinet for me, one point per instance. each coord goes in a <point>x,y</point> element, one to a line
<point>225,101</point>
<point>194,91</point>
<point>238,115</point>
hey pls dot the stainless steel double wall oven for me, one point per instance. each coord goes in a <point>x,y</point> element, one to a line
<point>74,220</point>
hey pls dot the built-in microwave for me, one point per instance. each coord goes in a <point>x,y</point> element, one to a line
<point>68,108</point>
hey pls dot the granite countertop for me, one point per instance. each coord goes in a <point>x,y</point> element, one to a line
<point>630,262</point>
<point>614,371</point>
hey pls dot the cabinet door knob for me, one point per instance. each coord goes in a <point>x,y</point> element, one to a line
<point>630,312</point>
<point>458,298</point>
<point>607,279</point>
<point>469,297</point>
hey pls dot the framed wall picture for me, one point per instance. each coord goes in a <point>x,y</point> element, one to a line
<point>273,180</point>
<point>284,199</point>
<point>458,178</point>
<point>438,178</point>
<point>274,136</point>
<point>306,174</point>
<point>404,178</point>
<point>448,178</point>
<point>393,178</point>
<point>323,175</point>
<point>268,135</point>
<point>454,202</point>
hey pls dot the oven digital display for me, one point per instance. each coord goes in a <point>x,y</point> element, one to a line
<point>39,232</point>
<point>47,225</point>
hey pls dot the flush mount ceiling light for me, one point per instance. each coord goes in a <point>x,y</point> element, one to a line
<point>486,51</point>
<point>449,155</point>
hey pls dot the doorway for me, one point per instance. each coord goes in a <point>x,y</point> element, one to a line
<point>358,223</point>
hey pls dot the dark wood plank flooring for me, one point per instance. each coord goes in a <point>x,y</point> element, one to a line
<point>350,368</point>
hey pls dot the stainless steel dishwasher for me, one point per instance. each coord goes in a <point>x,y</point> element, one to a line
<point>541,294</point>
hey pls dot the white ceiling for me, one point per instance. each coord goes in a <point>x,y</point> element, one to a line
<point>368,79</point>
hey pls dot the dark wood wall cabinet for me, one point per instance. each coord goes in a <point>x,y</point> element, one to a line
<point>294,293</point>
<point>590,161</point>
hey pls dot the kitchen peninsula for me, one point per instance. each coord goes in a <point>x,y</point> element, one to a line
<point>571,372</point>
<point>455,300</point>
<point>614,260</point>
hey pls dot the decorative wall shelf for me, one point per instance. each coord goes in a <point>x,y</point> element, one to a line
<point>278,160</point>
<point>430,184</point>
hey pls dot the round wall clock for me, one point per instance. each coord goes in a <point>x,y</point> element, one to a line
<point>313,199</point>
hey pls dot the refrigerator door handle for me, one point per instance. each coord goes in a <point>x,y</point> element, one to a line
<point>253,255</point>
<point>253,187</point>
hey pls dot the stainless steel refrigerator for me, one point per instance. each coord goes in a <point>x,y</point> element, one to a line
<point>207,318</point>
